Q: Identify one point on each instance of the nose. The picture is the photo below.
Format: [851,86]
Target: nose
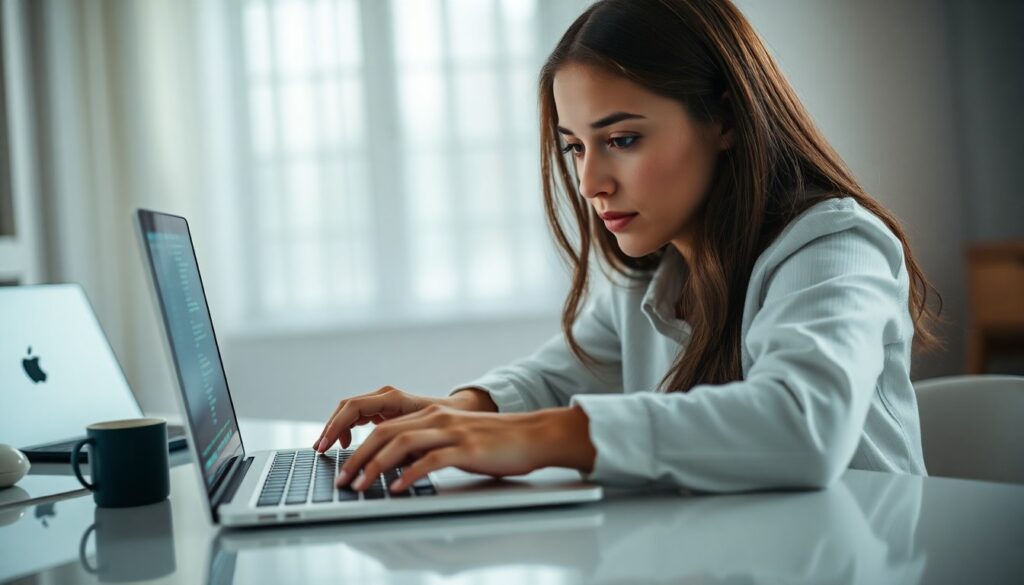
[595,177]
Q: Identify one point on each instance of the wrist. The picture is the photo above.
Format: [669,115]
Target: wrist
[565,434]
[472,400]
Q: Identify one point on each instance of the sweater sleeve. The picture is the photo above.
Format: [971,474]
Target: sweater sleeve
[553,374]
[817,347]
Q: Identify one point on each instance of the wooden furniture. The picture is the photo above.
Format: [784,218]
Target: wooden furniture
[996,290]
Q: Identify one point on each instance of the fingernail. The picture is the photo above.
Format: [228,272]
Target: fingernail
[322,446]
[360,483]
[342,478]
[394,485]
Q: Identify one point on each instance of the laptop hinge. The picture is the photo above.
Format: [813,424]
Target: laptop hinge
[224,487]
[236,480]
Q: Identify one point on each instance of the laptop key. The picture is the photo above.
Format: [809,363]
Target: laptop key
[375,491]
[425,490]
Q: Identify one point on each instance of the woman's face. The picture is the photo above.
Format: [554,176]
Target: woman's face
[638,155]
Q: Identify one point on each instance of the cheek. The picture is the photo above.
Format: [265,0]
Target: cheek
[672,180]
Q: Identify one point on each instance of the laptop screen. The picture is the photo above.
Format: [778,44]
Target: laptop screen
[189,330]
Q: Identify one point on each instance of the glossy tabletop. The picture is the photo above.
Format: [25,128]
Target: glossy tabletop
[867,528]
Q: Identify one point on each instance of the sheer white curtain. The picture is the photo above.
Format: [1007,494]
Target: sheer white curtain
[343,163]
[118,119]
[389,157]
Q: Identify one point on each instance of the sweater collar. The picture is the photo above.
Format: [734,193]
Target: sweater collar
[662,293]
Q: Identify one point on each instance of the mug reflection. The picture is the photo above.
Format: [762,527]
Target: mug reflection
[132,544]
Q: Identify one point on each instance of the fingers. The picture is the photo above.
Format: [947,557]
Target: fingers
[377,439]
[316,443]
[431,416]
[378,392]
[349,412]
[345,437]
[397,450]
[438,459]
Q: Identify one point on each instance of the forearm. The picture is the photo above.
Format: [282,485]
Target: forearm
[564,432]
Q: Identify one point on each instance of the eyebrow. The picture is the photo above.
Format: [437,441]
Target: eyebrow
[606,121]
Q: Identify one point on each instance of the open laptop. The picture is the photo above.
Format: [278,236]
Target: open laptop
[58,373]
[292,485]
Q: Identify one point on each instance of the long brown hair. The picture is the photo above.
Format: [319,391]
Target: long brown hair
[696,51]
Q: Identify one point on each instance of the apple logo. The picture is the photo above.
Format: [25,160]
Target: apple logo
[31,365]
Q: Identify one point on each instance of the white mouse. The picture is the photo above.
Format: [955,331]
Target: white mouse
[13,465]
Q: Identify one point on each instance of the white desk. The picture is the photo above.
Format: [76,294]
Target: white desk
[867,528]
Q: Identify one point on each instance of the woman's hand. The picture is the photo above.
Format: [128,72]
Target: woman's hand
[388,403]
[493,444]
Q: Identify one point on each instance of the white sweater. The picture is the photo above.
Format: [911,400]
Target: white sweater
[826,341]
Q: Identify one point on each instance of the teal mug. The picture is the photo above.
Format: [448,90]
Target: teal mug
[129,462]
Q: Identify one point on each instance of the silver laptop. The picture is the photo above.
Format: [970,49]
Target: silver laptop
[292,485]
[57,372]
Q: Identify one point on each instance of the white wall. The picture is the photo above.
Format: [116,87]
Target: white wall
[303,376]
[988,58]
[876,77]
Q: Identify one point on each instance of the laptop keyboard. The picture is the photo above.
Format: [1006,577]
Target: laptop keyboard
[302,476]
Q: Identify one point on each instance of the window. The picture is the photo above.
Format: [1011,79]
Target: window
[391,160]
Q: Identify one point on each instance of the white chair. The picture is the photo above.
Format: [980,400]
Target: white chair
[972,427]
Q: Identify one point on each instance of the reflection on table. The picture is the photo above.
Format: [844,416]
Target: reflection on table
[813,537]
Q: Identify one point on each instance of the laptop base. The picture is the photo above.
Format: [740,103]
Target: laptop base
[61,452]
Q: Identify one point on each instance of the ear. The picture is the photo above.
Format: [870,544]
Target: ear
[727,138]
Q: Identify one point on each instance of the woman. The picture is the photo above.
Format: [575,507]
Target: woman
[758,330]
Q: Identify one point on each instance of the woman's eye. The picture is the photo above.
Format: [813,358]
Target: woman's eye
[573,149]
[623,141]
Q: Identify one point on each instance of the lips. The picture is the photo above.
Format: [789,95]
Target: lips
[609,215]
[617,221]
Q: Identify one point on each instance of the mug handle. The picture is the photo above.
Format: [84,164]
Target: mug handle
[81,550]
[74,462]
